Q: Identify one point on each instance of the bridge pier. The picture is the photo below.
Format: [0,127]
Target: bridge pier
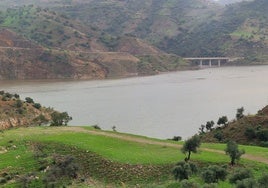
[201,63]
[219,62]
[209,59]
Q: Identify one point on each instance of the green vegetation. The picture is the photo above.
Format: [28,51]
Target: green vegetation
[233,151]
[75,154]
[190,146]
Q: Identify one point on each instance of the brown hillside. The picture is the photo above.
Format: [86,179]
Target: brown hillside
[251,129]
[15,112]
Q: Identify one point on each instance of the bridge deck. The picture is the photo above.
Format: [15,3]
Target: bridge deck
[206,58]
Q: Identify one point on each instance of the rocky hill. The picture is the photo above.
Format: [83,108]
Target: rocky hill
[15,112]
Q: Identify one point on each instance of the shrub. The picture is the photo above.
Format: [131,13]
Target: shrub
[18,103]
[96,127]
[263,181]
[213,174]
[240,174]
[188,184]
[37,105]
[211,185]
[16,96]
[218,135]
[29,100]
[183,170]
[63,167]
[264,144]
[177,138]
[173,185]
[250,133]
[41,120]
[246,183]
[262,135]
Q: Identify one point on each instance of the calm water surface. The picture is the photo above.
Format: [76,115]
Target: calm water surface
[159,106]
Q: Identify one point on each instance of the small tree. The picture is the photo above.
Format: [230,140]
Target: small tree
[233,151]
[239,113]
[190,146]
[209,125]
[223,120]
[60,119]
[202,129]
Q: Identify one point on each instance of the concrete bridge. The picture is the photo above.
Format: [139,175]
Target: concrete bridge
[208,61]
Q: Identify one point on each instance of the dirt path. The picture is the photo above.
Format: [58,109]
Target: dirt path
[147,141]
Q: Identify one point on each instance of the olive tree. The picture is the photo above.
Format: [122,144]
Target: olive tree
[60,119]
[233,151]
[190,146]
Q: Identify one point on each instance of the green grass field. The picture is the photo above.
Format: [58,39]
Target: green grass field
[109,158]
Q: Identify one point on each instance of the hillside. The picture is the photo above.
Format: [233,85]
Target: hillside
[15,112]
[186,28]
[240,31]
[106,39]
[249,130]
[55,46]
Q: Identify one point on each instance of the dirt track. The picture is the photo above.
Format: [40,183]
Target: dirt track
[147,141]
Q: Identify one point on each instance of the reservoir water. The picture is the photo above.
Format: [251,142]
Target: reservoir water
[159,106]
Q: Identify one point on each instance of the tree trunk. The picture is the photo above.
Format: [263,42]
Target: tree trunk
[189,155]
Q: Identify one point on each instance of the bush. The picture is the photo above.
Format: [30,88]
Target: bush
[246,183]
[16,96]
[240,174]
[63,167]
[218,135]
[211,185]
[214,173]
[262,135]
[37,105]
[29,100]
[264,144]
[263,181]
[96,127]
[183,170]
[188,184]
[173,185]
[176,138]
[250,133]
[18,103]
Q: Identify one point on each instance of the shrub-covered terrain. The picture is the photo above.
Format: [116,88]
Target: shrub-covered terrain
[15,112]
[86,157]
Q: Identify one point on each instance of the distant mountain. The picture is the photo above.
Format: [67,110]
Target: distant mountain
[240,31]
[227,2]
[138,32]
[52,45]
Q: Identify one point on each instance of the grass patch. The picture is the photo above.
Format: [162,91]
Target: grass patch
[108,159]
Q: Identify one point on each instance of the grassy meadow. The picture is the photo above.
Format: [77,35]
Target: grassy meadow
[105,159]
